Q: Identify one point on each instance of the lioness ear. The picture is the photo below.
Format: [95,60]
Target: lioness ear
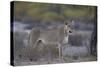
[65,23]
[72,22]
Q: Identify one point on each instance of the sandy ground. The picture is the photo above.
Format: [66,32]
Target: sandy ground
[56,61]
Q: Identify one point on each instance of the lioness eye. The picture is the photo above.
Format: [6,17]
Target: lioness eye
[68,25]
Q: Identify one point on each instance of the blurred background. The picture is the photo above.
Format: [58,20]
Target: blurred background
[39,13]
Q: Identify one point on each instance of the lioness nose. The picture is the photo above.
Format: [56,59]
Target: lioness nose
[70,31]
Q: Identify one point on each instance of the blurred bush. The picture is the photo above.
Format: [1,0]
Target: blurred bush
[24,11]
